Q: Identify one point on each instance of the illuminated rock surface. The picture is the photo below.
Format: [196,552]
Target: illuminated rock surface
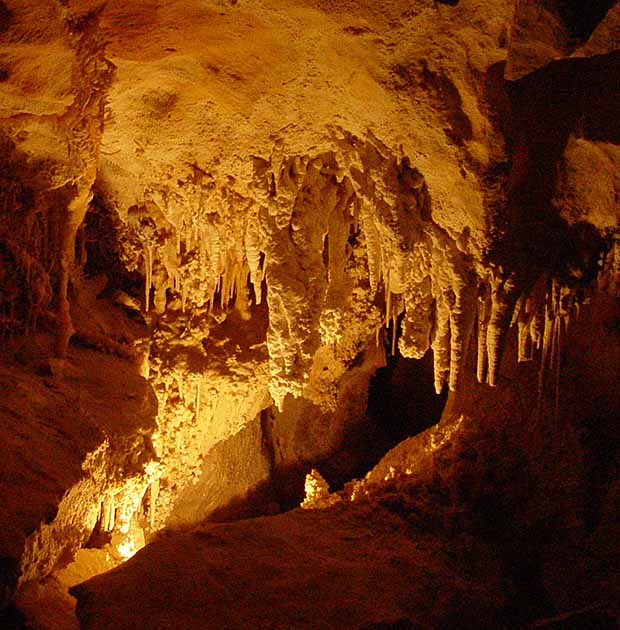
[243,239]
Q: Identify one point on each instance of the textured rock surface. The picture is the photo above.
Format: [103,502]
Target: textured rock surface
[247,202]
[73,441]
[358,569]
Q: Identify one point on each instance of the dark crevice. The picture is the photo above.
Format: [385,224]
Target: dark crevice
[102,251]
[570,96]
[581,18]
[402,397]
[401,403]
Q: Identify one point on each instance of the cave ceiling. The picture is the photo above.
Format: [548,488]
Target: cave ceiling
[236,140]
[242,198]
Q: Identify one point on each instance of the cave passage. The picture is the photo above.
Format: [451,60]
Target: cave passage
[401,403]
[402,398]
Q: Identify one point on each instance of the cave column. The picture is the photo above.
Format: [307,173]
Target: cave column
[76,211]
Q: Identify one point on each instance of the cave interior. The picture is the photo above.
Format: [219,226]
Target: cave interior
[309,314]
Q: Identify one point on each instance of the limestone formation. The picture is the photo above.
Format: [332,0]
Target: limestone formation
[224,223]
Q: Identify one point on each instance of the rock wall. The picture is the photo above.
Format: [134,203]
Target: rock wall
[77,453]
[243,206]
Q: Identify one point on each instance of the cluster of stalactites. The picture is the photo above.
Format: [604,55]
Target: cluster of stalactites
[201,263]
[120,503]
[442,311]
[432,292]
[543,315]
[293,238]
[306,216]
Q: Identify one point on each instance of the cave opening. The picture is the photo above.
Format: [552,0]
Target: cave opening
[401,403]
[402,398]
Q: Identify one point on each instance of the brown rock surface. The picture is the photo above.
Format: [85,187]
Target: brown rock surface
[251,204]
[359,565]
[71,440]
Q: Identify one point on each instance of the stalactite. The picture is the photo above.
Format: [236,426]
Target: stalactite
[184,295]
[558,306]
[254,256]
[373,247]
[160,298]
[417,322]
[153,495]
[394,333]
[108,513]
[546,348]
[441,343]
[76,211]
[537,327]
[462,316]
[526,317]
[608,279]
[503,298]
[557,366]
[388,299]
[148,282]
[484,308]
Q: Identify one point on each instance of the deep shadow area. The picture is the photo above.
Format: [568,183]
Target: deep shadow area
[12,619]
[99,249]
[582,18]
[402,399]
[570,96]
[401,403]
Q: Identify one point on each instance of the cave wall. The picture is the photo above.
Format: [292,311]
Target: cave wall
[247,206]
[76,448]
